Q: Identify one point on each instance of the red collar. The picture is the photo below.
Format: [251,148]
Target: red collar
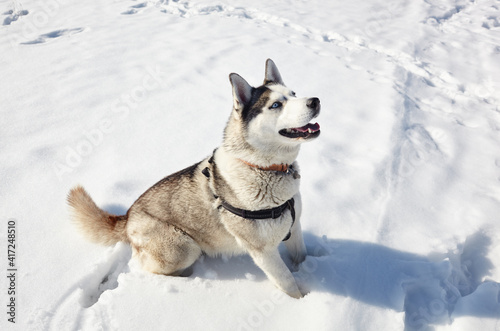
[272,167]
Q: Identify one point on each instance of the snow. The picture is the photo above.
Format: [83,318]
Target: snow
[401,192]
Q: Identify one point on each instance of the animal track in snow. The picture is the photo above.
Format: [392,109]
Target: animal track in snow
[86,292]
[53,35]
[141,5]
[435,76]
[446,16]
[135,8]
[14,16]
[491,22]
[104,277]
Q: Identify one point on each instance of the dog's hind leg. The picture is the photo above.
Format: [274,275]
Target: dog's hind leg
[166,250]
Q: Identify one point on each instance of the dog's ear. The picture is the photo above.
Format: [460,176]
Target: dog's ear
[272,73]
[242,91]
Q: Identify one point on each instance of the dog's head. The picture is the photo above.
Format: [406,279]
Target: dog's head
[272,114]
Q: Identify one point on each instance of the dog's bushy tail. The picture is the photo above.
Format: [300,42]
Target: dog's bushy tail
[96,224]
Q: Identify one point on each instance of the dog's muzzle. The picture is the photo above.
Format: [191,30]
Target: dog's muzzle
[315,105]
[307,131]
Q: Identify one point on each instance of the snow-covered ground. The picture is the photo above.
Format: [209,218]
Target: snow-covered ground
[401,192]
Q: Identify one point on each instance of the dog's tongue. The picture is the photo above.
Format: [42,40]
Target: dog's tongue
[313,127]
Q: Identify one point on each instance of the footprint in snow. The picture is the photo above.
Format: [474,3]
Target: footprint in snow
[85,293]
[135,8]
[491,22]
[105,275]
[13,16]
[53,35]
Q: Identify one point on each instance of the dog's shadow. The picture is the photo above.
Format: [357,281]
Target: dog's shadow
[429,289]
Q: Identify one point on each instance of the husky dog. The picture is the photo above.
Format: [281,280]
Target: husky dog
[244,198]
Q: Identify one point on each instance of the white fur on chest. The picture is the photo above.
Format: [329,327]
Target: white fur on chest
[256,189]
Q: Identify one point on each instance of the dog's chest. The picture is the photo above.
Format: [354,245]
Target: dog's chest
[268,189]
[252,188]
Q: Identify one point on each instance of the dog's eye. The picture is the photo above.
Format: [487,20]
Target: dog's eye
[292,93]
[276,105]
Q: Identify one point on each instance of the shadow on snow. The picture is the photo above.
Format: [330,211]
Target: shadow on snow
[430,290]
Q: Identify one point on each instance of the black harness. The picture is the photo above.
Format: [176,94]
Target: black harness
[252,215]
[264,213]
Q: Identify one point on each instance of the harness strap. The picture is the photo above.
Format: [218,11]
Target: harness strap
[264,213]
[272,213]
[292,211]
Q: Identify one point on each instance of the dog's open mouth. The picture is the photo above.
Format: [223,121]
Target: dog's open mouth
[306,131]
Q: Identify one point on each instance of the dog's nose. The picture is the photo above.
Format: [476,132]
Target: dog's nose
[313,103]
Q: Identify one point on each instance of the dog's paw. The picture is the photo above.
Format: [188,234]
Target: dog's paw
[299,294]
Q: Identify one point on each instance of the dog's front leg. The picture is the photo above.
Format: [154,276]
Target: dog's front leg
[295,244]
[273,266]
